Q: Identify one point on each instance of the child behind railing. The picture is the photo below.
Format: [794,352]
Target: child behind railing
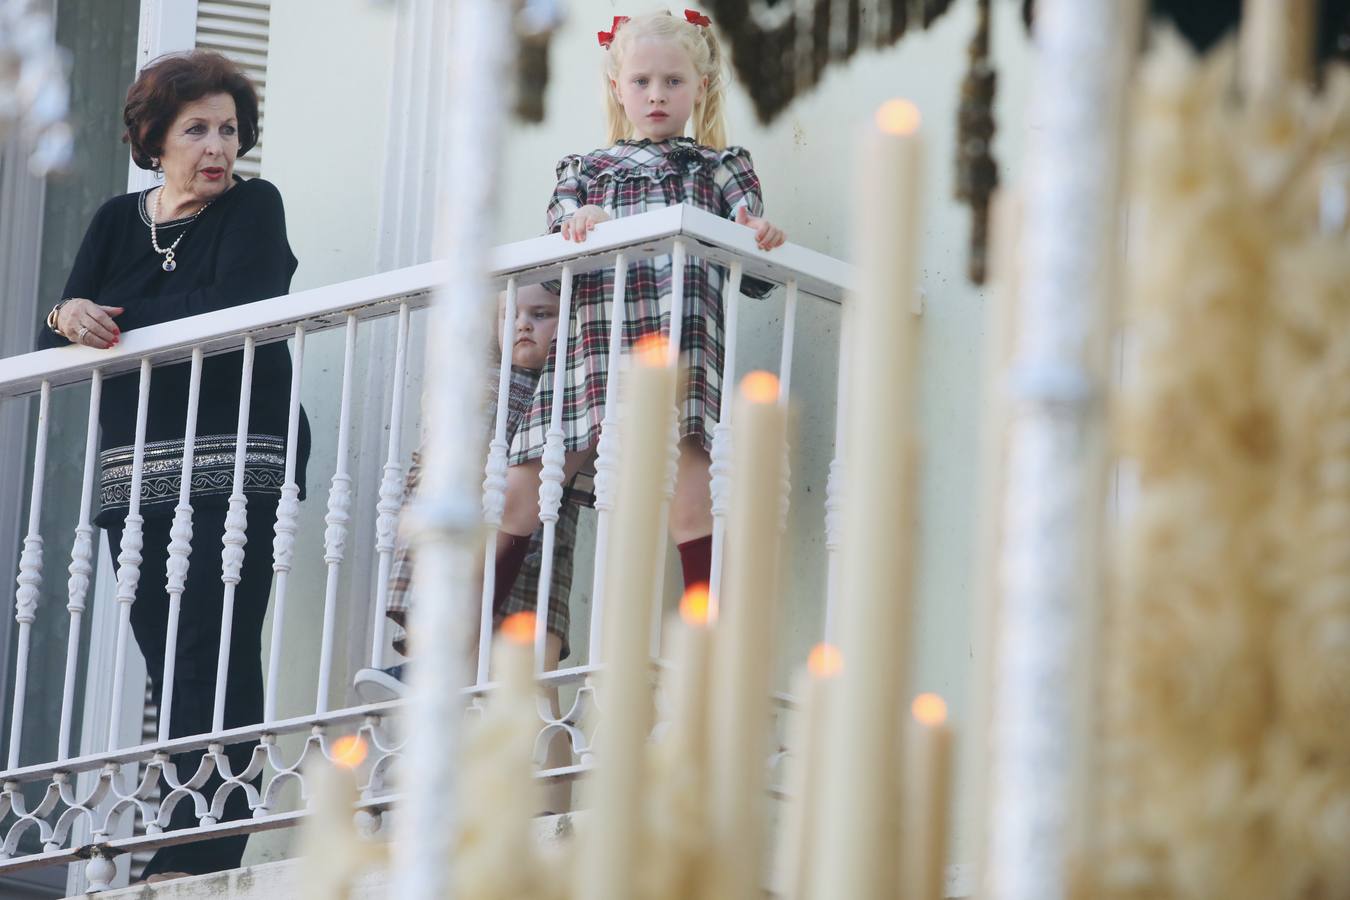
[662,73]
[536,323]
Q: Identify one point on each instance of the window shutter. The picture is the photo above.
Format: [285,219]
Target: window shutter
[239,29]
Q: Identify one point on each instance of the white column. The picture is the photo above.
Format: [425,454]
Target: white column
[785,398]
[407,196]
[720,470]
[834,488]
[283,543]
[30,576]
[494,481]
[180,544]
[22,199]
[129,559]
[391,492]
[551,475]
[339,514]
[166,26]
[447,520]
[1046,573]
[236,525]
[607,456]
[679,253]
[81,565]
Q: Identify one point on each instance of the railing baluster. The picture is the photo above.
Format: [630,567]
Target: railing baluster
[236,527]
[784,396]
[678,255]
[81,565]
[720,470]
[834,488]
[335,535]
[391,493]
[494,480]
[607,456]
[551,476]
[180,544]
[789,339]
[129,559]
[30,575]
[451,527]
[283,543]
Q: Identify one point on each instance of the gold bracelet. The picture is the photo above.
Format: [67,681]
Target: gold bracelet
[54,316]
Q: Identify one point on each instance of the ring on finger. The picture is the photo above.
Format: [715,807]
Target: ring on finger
[84,329]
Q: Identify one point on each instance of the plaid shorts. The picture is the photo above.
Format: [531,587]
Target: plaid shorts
[525,590]
[523,594]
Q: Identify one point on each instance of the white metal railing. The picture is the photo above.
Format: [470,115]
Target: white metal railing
[80,816]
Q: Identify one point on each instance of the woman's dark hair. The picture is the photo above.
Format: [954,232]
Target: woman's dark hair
[171,81]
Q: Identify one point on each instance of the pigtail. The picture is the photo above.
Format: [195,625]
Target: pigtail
[710,120]
[619,126]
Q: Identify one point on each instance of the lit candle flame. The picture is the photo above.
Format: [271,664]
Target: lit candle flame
[349,751]
[825,661]
[929,709]
[898,117]
[696,606]
[760,387]
[518,628]
[652,350]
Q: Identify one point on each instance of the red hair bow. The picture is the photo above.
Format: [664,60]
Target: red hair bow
[697,18]
[607,37]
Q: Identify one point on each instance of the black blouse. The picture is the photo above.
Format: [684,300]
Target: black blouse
[234,252]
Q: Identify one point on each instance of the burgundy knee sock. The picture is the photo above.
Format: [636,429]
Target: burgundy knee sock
[511,552]
[696,561]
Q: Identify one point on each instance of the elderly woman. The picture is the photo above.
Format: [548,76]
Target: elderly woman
[203,239]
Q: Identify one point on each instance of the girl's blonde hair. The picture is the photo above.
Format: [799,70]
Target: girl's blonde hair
[710,128]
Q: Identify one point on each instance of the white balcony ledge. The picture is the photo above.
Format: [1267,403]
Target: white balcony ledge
[284,878]
[530,262]
[88,794]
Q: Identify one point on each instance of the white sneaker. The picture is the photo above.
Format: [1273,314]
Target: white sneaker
[380,685]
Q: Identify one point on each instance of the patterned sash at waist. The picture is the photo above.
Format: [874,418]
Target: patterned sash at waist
[212,470]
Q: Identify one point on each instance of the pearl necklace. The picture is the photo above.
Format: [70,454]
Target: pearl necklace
[169,265]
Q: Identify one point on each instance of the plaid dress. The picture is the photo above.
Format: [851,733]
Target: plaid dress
[630,178]
[525,591]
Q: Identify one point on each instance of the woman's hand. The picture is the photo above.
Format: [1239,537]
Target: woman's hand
[582,222]
[767,234]
[86,322]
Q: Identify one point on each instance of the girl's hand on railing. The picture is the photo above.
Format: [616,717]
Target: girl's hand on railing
[767,234]
[582,221]
[86,322]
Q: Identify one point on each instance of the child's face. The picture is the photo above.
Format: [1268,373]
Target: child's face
[536,324]
[658,88]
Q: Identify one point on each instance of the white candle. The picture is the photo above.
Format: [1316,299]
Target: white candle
[1275,46]
[516,686]
[331,850]
[493,854]
[692,673]
[748,621]
[675,850]
[799,810]
[1001,306]
[609,844]
[928,789]
[859,800]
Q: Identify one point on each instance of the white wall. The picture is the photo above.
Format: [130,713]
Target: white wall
[328,99]
[327,113]
[804,161]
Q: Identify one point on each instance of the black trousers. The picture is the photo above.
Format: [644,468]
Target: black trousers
[197,651]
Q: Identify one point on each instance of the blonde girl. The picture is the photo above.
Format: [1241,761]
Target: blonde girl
[662,74]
